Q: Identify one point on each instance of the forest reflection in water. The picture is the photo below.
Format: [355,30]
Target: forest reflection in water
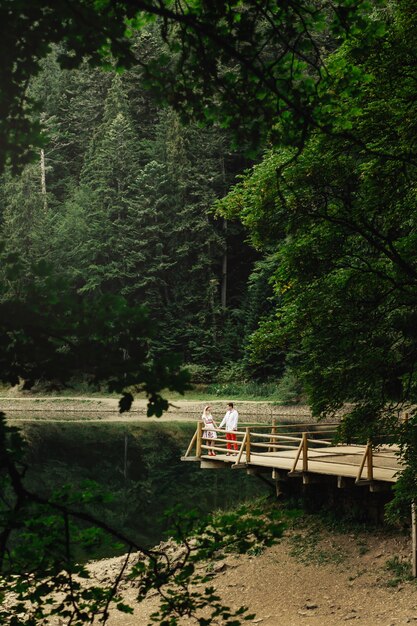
[138,464]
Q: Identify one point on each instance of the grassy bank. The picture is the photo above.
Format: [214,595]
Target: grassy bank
[262,392]
[287,390]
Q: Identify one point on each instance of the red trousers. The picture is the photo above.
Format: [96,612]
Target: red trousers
[231,437]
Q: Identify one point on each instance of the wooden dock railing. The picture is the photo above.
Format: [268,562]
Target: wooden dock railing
[261,438]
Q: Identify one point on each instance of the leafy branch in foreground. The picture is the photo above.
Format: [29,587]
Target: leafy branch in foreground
[245,64]
[339,225]
[49,331]
[40,576]
[185,588]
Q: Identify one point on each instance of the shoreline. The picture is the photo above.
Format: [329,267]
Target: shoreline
[60,408]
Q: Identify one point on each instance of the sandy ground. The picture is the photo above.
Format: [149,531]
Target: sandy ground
[308,579]
[106,409]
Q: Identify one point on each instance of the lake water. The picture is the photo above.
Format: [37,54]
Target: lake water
[138,464]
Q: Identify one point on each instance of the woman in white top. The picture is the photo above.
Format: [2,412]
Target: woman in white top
[209,432]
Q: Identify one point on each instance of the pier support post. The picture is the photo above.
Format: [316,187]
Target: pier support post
[305,452]
[414,537]
[247,445]
[199,439]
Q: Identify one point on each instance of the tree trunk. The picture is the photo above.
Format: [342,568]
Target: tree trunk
[43,181]
[224,260]
[224,269]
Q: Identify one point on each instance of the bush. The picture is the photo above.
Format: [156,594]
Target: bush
[250,389]
[201,374]
[233,372]
[289,388]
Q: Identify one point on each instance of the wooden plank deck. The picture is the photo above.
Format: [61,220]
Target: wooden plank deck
[339,464]
[305,453]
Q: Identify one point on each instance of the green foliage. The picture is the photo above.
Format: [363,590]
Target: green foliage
[249,390]
[231,372]
[200,374]
[258,69]
[405,488]
[282,90]
[237,531]
[128,189]
[331,208]
[399,570]
[289,389]
[55,23]
[339,217]
[343,220]
[54,333]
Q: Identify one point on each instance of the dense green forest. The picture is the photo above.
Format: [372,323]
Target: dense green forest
[120,198]
[305,266]
[225,185]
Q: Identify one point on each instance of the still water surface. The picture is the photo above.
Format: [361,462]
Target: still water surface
[138,464]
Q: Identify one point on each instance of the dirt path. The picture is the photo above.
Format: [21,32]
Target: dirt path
[309,580]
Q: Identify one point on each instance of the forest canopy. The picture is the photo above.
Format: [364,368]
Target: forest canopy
[308,82]
[313,84]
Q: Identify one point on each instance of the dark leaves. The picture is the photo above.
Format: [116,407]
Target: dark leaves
[125,402]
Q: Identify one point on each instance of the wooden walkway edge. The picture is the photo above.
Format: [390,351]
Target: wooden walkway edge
[296,453]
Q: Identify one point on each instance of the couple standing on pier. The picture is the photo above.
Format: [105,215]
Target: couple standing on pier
[229,423]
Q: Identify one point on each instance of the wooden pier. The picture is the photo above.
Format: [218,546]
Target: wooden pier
[306,450]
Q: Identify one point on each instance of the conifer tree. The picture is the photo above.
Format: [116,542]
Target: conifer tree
[105,185]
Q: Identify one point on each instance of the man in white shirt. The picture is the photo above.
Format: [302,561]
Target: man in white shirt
[229,423]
